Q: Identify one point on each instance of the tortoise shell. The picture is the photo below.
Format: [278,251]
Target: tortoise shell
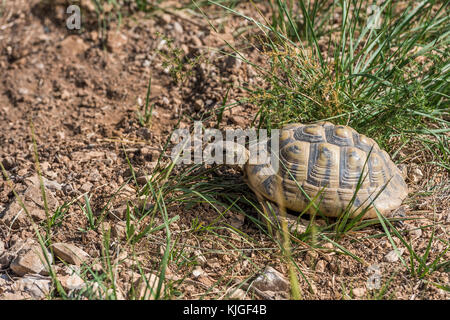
[329,159]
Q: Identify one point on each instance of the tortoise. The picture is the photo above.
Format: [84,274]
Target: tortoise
[334,161]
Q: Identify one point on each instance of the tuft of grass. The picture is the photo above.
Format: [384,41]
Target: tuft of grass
[419,265]
[180,66]
[388,83]
[59,214]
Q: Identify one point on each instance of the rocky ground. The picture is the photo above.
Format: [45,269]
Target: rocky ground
[80,93]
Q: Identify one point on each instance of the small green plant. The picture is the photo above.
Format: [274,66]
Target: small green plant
[180,66]
[222,109]
[44,242]
[87,210]
[143,5]
[60,212]
[145,119]
[350,73]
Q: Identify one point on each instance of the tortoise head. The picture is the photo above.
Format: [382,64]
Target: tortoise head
[228,152]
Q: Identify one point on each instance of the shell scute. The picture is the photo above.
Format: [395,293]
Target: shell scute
[323,165]
[310,133]
[353,168]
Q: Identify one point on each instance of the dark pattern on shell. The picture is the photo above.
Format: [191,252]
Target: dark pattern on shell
[257,168]
[285,142]
[350,176]
[357,139]
[268,185]
[313,156]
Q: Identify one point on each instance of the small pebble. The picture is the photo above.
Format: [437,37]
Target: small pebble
[392,256]
[359,292]
[198,271]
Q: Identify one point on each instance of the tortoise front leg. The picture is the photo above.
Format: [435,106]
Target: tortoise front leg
[272,216]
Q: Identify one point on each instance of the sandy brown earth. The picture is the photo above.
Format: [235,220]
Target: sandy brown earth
[81,92]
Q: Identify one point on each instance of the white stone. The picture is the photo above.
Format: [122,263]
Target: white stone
[271,280]
[16,217]
[237,294]
[2,247]
[393,256]
[197,272]
[70,279]
[359,292]
[416,175]
[146,64]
